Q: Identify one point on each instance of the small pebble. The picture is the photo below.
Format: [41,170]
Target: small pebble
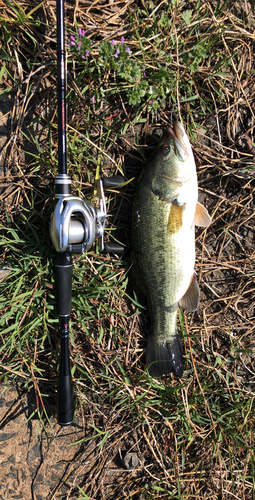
[11,459]
[47,482]
[30,456]
[37,450]
[131,460]
[4,436]
[8,404]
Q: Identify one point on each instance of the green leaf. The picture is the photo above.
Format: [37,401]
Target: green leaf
[101,335]
[2,71]
[186,16]
[192,98]
[107,434]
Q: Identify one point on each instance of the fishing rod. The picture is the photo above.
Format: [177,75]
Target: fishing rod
[75,224]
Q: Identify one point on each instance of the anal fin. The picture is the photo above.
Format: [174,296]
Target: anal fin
[190,299]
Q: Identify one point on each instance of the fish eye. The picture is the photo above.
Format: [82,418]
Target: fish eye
[165,149]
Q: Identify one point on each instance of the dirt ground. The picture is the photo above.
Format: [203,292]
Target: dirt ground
[50,465]
[31,467]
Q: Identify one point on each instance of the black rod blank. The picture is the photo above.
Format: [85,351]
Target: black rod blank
[61,64]
[63,264]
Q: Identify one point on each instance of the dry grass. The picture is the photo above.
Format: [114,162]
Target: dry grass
[193,438]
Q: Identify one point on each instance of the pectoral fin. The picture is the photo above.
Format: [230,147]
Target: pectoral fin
[190,299]
[202,218]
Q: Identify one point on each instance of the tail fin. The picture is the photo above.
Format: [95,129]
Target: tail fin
[164,358]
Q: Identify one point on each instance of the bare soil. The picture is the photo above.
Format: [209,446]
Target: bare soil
[51,465]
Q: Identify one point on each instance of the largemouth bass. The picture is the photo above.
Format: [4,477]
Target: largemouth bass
[165,212]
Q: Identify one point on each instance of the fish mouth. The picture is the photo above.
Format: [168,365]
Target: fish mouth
[178,134]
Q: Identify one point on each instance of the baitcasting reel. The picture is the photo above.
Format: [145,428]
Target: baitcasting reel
[76,223]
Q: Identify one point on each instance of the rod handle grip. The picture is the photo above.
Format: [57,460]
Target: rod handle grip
[64,270]
[65,404]
[65,398]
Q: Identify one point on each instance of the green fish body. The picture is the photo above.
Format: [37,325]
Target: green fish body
[165,211]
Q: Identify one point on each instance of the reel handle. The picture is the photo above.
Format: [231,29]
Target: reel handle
[111,247]
[113,182]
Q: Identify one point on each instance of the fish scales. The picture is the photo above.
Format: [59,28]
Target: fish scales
[163,241]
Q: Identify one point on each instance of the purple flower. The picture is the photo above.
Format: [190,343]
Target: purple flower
[128,51]
[93,99]
[81,32]
[79,45]
[113,42]
[72,40]
[122,41]
[87,53]
[144,74]
[83,57]
[116,53]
